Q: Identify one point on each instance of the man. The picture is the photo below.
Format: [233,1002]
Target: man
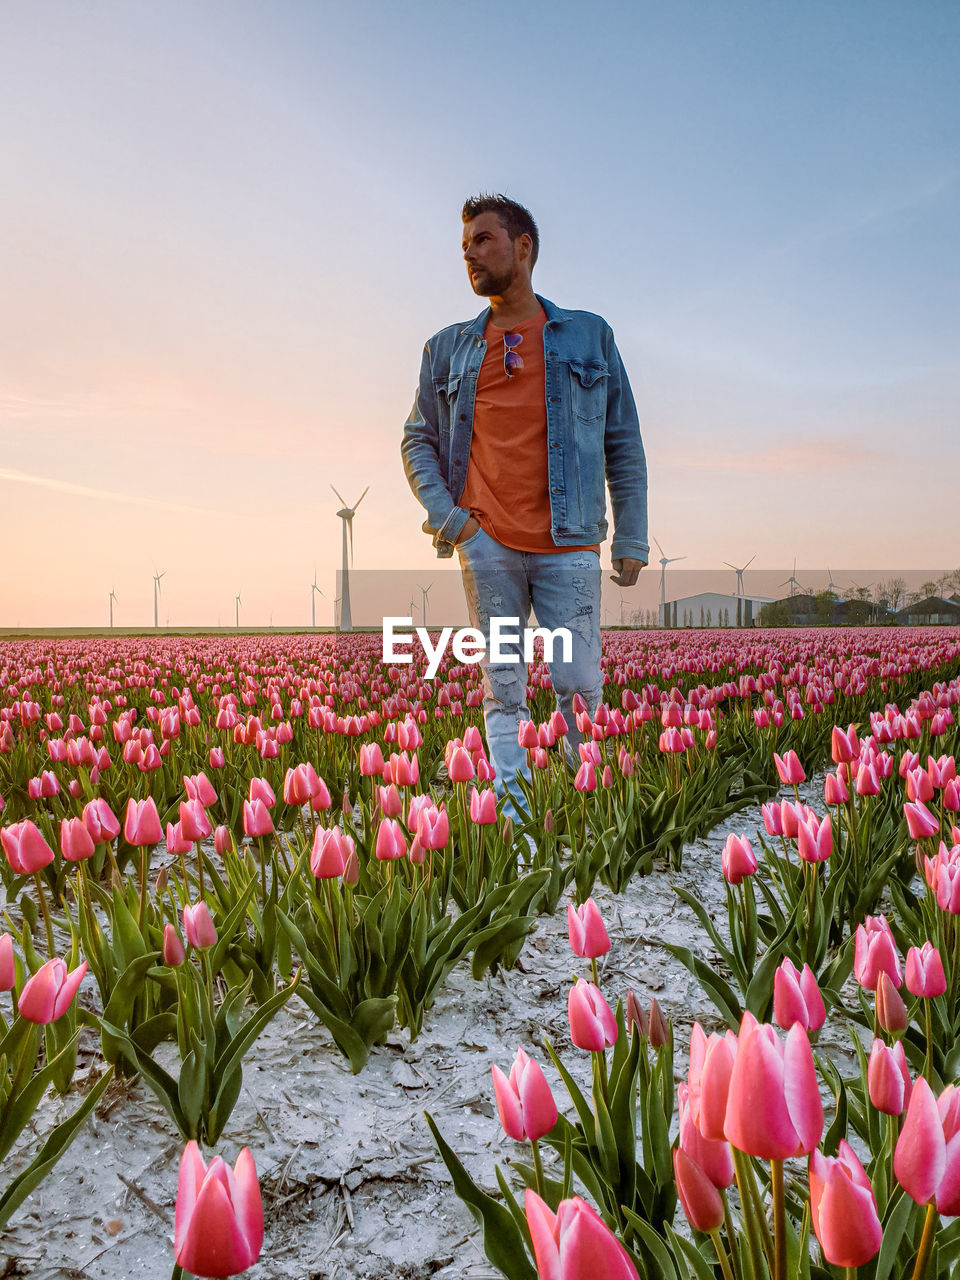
[520,417]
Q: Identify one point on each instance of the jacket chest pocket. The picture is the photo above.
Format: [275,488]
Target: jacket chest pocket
[588,390]
[446,390]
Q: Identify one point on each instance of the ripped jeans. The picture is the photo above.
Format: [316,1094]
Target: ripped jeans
[564,589]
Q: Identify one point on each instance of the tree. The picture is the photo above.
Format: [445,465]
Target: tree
[823,608]
[891,593]
[775,614]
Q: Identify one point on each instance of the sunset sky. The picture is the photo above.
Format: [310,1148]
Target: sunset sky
[227,229]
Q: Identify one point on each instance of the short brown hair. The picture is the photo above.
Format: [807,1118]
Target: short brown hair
[514,218]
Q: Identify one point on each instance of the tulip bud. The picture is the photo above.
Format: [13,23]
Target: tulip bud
[888,1078]
[173,949]
[924,972]
[659,1027]
[700,1199]
[636,1015]
[891,1010]
[198,926]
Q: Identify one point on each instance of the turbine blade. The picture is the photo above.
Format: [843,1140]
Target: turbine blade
[361,498]
[338,495]
[750,561]
[659,548]
[350,527]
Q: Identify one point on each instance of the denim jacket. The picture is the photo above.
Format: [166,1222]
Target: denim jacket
[593,434]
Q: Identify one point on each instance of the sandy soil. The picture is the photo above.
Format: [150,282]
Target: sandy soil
[352,1183]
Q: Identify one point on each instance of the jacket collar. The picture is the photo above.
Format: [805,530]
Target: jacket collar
[553,313]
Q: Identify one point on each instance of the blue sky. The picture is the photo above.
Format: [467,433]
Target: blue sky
[229,227]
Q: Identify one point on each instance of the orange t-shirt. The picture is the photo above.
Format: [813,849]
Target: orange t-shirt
[507,487]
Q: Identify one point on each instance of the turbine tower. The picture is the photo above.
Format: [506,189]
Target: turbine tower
[792,582]
[346,514]
[113,596]
[156,598]
[237,602]
[664,561]
[314,589]
[424,592]
[740,572]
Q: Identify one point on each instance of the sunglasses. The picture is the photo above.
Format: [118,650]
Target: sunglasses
[512,360]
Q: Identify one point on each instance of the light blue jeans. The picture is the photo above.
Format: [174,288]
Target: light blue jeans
[564,590]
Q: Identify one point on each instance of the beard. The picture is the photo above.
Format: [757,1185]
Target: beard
[488,285]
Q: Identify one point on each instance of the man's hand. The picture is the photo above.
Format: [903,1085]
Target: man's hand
[627,571]
[470,527]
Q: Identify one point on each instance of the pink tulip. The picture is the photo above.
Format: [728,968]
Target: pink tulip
[331,848]
[260,789]
[25,848]
[797,998]
[218,1224]
[875,952]
[75,840]
[100,821]
[773,1107]
[586,779]
[815,840]
[200,788]
[390,840]
[713,1157]
[592,1023]
[460,766]
[391,806]
[699,1197]
[708,1077]
[222,840]
[738,859]
[843,1208]
[483,807]
[844,747]
[920,1157]
[920,821]
[891,1011]
[194,823]
[835,790]
[524,1101]
[433,827]
[586,930]
[141,825]
[574,1243]
[198,926]
[888,1078]
[924,972]
[173,950]
[371,760]
[48,994]
[789,768]
[527,734]
[8,968]
[216,758]
[772,819]
[257,821]
[919,786]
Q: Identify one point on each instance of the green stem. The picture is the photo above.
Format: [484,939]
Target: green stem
[748,1207]
[928,1021]
[593,971]
[926,1242]
[45,912]
[779,1221]
[721,1254]
[538,1169]
[144,872]
[200,868]
[731,1236]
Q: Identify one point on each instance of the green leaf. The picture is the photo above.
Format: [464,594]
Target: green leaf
[503,1241]
[654,1244]
[51,1151]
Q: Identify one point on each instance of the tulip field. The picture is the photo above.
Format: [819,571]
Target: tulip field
[696,1016]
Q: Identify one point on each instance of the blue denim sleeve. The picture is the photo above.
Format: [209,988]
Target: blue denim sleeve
[625,463]
[420,450]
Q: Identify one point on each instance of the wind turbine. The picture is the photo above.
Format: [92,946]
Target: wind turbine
[156,597]
[237,602]
[740,572]
[792,581]
[664,561]
[424,592]
[346,514]
[113,596]
[314,589]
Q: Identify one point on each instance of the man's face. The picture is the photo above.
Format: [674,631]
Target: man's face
[493,259]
